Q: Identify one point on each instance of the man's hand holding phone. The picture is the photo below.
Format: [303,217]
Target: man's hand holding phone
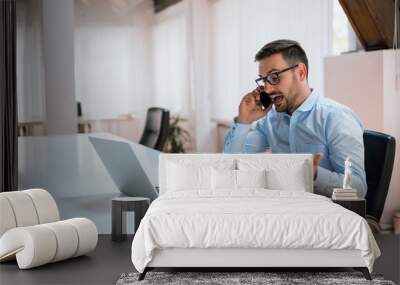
[252,107]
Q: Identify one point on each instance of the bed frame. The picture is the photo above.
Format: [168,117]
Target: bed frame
[250,259]
[242,259]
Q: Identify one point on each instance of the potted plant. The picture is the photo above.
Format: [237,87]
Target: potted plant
[178,137]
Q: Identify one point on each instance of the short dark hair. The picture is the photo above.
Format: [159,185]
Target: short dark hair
[291,51]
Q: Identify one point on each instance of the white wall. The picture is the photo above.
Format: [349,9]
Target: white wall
[30,72]
[112,57]
[58,51]
[369,83]
[111,50]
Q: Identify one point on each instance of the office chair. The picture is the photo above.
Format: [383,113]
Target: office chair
[379,150]
[156,128]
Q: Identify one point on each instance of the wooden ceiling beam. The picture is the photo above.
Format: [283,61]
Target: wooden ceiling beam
[160,5]
[372,21]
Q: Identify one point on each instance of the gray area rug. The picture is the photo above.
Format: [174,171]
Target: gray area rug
[225,278]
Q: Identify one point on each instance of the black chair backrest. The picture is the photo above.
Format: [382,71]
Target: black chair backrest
[379,157]
[156,128]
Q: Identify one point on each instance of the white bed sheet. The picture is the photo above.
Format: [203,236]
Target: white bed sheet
[252,218]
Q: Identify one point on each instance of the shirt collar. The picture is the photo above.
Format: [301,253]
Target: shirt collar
[309,103]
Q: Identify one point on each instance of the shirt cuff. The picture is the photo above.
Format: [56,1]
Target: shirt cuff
[240,128]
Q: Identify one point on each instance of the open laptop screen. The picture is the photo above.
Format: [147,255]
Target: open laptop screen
[133,167]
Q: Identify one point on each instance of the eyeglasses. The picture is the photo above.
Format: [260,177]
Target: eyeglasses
[273,78]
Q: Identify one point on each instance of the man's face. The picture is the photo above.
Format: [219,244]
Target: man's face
[283,94]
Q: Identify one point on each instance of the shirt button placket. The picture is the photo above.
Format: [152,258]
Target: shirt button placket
[292,128]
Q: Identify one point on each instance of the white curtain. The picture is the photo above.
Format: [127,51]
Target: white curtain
[169,55]
[199,67]
[206,76]
[113,70]
[181,67]
[241,28]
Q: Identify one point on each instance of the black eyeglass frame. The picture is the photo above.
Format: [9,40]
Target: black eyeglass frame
[277,73]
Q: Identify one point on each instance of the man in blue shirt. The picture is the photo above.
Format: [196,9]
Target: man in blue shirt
[299,120]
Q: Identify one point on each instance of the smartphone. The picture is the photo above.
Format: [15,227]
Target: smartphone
[265,100]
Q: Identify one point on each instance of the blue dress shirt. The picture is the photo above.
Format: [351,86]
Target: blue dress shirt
[319,125]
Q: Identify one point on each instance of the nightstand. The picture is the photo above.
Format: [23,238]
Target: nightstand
[121,205]
[357,206]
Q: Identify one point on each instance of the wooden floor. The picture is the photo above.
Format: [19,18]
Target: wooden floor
[103,266]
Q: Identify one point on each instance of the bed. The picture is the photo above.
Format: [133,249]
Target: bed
[246,211]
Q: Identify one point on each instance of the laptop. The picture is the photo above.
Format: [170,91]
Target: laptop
[133,167]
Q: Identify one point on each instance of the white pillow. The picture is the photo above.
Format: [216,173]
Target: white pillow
[293,179]
[281,173]
[186,177]
[251,178]
[236,179]
[223,179]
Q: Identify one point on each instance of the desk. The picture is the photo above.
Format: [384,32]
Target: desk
[31,129]
[70,169]
[125,126]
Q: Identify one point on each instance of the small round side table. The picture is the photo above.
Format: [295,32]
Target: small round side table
[121,205]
